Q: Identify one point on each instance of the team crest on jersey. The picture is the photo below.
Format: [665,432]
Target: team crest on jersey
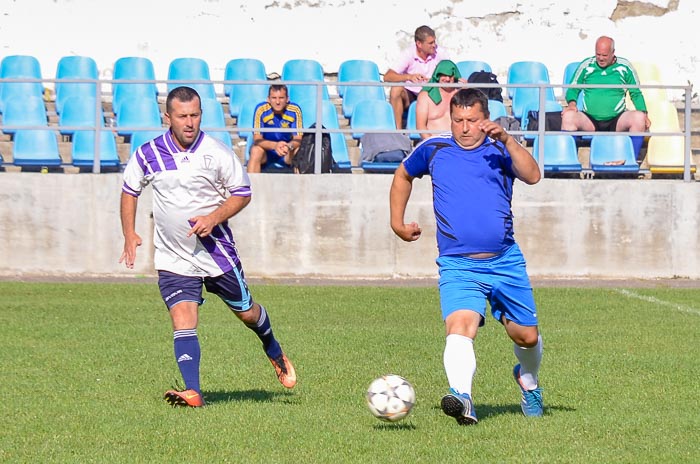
[207,161]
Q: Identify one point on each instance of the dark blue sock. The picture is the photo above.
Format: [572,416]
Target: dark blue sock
[187,354]
[263,329]
[637,141]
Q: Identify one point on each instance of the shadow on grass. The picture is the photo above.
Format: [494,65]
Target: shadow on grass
[258,396]
[394,426]
[484,411]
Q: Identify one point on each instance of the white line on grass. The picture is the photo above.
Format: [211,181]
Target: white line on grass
[656,301]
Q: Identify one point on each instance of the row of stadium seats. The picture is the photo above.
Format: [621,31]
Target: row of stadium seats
[135,104]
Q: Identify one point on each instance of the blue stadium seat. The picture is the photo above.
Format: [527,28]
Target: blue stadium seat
[24,111]
[213,118]
[534,105]
[372,114]
[413,133]
[132,68]
[79,113]
[304,70]
[142,113]
[36,148]
[524,72]
[560,154]
[357,71]
[467,67]
[527,97]
[606,149]
[358,93]
[308,114]
[497,109]
[340,150]
[75,67]
[84,149]
[246,117]
[195,71]
[18,67]
[140,137]
[244,69]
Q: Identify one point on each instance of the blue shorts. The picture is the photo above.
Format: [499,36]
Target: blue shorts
[274,159]
[466,283]
[230,287]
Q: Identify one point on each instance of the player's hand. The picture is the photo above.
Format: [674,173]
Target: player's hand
[408,232]
[202,226]
[128,256]
[418,78]
[282,148]
[493,130]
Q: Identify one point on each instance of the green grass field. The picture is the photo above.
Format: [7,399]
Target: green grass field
[84,367]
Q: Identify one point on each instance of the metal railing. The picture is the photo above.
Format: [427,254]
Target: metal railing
[99,125]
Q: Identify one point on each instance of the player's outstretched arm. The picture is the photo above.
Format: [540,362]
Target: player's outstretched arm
[131,238]
[401,188]
[203,225]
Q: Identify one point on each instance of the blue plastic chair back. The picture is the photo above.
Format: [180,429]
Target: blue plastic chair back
[140,137]
[372,114]
[19,66]
[20,90]
[497,109]
[84,149]
[308,114]
[212,114]
[358,93]
[75,67]
[193,70]
[36,147]
[357,71]
[467,67]
[523,72]
[560,154]
[79,112]
[607,149]
[243,69]
[132,68]
[304,70]
[533,105]
[223,136]
[245,92]
[340,150]
[526,96]
[138,113]
[413,133]
[24,111]
[246,117]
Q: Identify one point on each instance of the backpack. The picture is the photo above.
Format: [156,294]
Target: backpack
[304,162]
[485,77]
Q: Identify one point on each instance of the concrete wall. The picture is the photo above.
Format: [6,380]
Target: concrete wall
[331,31]
[337,226]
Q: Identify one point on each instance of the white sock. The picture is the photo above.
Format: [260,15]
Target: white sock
[460,362]
[530,359]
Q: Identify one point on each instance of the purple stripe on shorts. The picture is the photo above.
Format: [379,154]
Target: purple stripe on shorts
[221,247]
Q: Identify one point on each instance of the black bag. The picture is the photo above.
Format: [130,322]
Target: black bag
[509,123]
[552,120]
[485,77]
[304,162]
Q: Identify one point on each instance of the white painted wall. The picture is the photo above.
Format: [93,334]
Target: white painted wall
[331,31]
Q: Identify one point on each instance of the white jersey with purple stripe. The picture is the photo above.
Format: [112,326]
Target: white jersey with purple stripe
[186,184]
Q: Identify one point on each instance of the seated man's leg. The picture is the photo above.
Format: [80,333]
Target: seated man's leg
[398,97]
[633,121]
[257,158]
[576,121]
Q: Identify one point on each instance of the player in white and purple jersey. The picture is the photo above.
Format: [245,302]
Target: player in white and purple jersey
[198,184]
[472,170]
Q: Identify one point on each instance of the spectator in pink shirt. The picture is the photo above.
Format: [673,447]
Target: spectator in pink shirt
[415,66]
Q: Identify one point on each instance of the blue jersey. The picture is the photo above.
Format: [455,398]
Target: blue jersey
[472,193]
[266,118]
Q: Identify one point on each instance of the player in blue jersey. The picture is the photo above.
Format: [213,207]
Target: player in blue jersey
[472,171]
[275,147]
[198,185]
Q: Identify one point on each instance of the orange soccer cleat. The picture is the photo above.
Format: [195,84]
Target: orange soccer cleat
[285,371]
[184,398]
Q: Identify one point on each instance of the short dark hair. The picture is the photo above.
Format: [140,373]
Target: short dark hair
[468,97]
[277,88]
[422,33]
[183,94]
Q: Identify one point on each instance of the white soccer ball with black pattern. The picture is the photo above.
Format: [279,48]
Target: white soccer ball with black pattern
[390,398]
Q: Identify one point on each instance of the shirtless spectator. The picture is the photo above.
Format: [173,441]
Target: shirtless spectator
[433,104]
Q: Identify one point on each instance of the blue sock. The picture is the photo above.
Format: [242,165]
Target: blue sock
[187,354]
[263,329]
[637,141]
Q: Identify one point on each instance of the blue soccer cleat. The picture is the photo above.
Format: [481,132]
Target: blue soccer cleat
[459,406]
[531,402]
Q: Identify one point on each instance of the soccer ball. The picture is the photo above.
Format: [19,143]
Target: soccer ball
[390,398]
